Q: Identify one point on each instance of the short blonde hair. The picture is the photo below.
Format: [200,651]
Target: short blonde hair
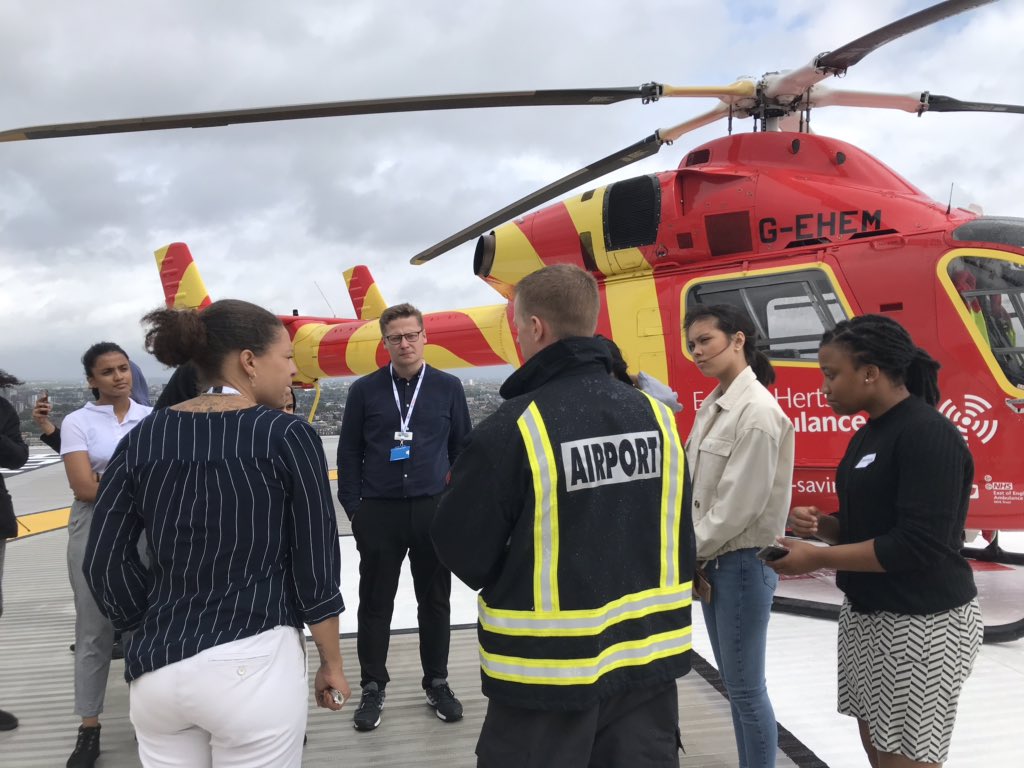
[398,312]
[562,295]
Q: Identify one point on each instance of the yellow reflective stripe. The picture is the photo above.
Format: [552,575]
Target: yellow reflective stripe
[672,469]
[580,623]
[586,671]
[545,512]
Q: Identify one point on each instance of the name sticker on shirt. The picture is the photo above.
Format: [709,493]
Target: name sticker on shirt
[400,452]
[611,459]
[403,437]
[865,460]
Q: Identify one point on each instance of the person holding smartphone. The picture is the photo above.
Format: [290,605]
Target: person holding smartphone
[49,432]
[88,438]
[740,452]
[909,627]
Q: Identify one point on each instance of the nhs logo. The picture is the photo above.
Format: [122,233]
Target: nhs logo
[611,459]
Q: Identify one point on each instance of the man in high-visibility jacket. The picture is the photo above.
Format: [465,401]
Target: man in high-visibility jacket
[569,508]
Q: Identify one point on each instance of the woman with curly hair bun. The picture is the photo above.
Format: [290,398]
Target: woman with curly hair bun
[234,500]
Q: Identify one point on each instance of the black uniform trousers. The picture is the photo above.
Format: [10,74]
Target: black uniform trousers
[385,530]
[638,729]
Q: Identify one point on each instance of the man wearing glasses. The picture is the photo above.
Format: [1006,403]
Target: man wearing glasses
[401,431]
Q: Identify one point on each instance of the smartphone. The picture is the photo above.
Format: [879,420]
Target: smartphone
[44,396]
[772,552]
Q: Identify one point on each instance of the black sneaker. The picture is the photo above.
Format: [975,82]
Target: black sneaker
[87,748]
[8,722]
[367,715]
[445,705]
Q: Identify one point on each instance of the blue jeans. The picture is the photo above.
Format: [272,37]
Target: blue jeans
[737,622]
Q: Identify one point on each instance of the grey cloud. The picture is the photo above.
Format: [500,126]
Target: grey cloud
[269,209]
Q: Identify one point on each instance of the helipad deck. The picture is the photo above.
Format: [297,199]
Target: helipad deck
[36,674]
[36,685]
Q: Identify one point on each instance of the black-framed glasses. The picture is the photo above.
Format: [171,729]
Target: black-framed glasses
[396,338]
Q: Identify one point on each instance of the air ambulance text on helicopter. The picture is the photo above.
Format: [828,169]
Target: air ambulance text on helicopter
[799,230]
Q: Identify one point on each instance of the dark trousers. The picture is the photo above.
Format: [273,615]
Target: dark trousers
[639,729]
[385,530]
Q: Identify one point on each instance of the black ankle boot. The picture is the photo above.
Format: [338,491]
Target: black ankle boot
[87,748]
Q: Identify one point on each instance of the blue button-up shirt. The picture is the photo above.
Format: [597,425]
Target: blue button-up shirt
[439,424]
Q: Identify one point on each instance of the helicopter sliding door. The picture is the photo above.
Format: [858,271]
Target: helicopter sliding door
[983,389]
[790,307]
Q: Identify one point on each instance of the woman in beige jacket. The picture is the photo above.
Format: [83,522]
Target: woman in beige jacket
[740,454]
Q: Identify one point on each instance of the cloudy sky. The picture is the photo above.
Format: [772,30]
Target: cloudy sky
[273,211]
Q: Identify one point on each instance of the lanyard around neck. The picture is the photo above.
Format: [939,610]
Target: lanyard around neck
[404,420]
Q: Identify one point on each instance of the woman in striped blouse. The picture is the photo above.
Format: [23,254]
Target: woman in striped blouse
[234,499]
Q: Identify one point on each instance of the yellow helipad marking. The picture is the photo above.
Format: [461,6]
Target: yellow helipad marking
[41,522]
[55,519]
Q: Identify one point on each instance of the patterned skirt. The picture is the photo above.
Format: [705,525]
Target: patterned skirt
[902,675]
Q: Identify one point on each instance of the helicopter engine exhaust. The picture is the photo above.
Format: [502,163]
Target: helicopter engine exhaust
[483,257]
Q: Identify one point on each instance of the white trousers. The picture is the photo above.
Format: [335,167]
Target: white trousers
[238,705]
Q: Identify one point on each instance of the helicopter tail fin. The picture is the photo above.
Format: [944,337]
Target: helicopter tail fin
[366,296]
[183,285]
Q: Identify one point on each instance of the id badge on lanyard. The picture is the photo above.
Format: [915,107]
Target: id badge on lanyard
[403,436]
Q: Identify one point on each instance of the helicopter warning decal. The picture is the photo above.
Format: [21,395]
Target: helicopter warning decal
[970,419]
[810,226]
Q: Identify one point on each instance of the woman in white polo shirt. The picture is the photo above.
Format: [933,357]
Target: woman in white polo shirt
[740,454]
[88,439]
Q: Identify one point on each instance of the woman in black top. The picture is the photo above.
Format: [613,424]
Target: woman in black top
[13,455]
[234,499]
[909,627]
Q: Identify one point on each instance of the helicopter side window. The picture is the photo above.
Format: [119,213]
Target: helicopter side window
[790,310]
[993,294]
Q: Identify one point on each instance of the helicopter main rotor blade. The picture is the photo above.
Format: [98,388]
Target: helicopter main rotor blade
[626,156]
[936,103]
[836,62]
[917,103]
[826,97]
[560,97]
[671,134]
[644,148]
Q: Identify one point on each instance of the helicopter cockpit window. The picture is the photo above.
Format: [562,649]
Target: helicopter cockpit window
[790,310]
[993,294]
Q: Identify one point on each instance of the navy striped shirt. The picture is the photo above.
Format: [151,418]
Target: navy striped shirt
[241,529]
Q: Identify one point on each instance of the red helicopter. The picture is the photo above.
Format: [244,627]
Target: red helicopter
[798,229]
